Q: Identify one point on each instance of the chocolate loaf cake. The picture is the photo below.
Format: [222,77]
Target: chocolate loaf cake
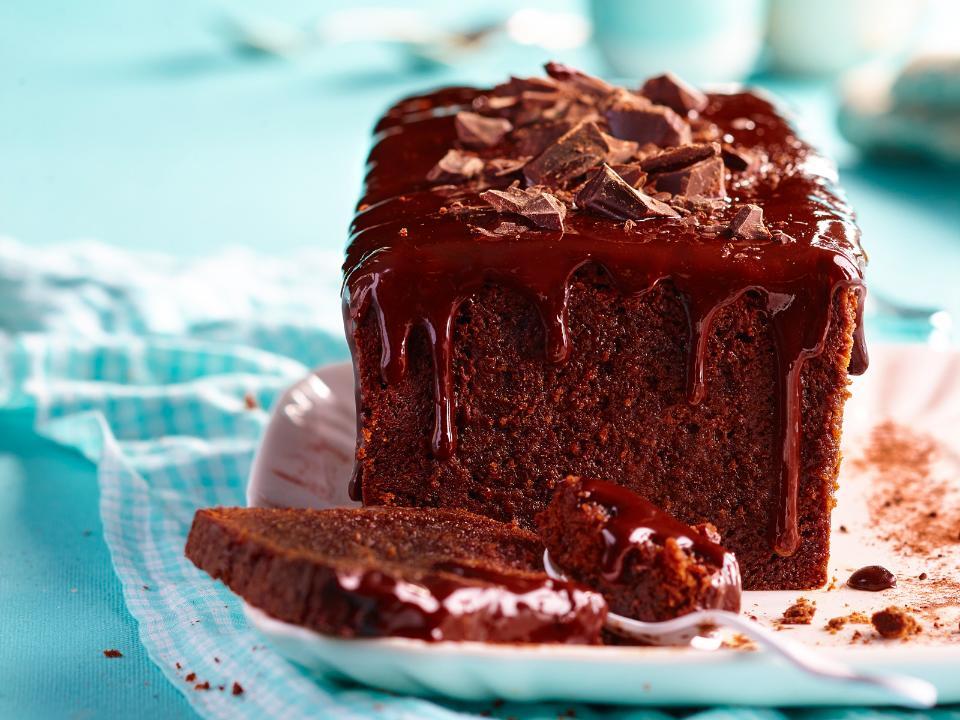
[646,564]
[558,276]
[431,574]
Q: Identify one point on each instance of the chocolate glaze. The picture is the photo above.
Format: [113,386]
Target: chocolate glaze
[421,276]
[634,521]
[460,602]
[872,578]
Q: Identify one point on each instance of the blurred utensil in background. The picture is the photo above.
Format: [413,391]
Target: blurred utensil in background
[414,33]
[702,41]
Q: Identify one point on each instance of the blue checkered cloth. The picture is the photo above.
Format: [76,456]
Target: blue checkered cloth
[154,388]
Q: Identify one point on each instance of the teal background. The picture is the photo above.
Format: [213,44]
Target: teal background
[132,123]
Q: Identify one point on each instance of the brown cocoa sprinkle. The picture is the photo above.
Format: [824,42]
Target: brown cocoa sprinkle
[800,613]
[190,677]
[236,689]
[250,403]
[112,653]
[178,666]
[895,622]
[216,659]
[922,576]
[205,685]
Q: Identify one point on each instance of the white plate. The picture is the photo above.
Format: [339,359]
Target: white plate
[306,459]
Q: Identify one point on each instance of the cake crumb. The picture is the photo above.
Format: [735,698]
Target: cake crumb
[112,653]
[237,689]
[800,613]
[205,685]
[894,622]
[836,623]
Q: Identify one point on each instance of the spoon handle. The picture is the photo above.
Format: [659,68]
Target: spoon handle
[912,692]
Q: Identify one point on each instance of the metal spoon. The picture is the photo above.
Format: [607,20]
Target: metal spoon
[690,629]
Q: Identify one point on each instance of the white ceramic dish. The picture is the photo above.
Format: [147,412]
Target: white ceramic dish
[306,459]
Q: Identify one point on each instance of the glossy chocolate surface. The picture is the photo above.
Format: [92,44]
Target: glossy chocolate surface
[634,521]
[417,251]
[460,602]
[872,578]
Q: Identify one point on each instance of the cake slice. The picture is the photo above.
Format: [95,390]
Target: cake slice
[372,572]
[647,564]
[558,276]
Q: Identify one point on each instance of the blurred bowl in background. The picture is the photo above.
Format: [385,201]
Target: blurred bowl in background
[703,41]
[822,37]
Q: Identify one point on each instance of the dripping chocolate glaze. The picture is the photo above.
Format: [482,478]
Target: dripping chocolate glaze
[633,520]
[413,260]
[457,602]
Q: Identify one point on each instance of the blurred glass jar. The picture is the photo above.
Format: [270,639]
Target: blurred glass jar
[822,37]
[702,41]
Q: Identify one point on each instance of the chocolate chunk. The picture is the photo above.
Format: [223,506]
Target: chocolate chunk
[673,92]
[620,151]
[455,166]
[648,124]
[748,224]
[534,139]
[740,159]
[609,195]
[475,130]
[575,152]
[702,179]
[872,578]
[679,157]
[539,207]
[633,174]
[580,80]
[500,167]
[779,236]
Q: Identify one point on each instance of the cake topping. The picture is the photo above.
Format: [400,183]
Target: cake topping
[475,130]
[539,207]
[644,123]
[609,195]
[748,224]
[872,578]
[673,92]
[641,225]
[570,156]
[456,166]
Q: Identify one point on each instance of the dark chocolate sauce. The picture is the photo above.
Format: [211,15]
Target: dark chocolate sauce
[422,275]
[634,521]
[872,578]
[461,602]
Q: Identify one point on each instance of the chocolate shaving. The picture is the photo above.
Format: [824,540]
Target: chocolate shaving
[455,166]
[673,92]
[609,195]
[537,137]
[702,179]
[620,151]
[679,157]
[633,174]
[739,159]
[539,207]
[575,152]
[580,80]
[644,123]
[475,130]
[748,224]
[501,167]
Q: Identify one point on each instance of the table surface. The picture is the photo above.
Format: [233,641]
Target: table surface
[130,123]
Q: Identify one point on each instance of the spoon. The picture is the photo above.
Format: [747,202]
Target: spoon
[692,628]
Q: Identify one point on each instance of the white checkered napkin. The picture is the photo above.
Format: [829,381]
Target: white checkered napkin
[169,427]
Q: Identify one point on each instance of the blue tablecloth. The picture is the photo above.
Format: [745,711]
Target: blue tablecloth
[130,123]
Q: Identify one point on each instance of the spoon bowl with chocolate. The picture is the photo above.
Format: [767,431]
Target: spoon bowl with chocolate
[675,584]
